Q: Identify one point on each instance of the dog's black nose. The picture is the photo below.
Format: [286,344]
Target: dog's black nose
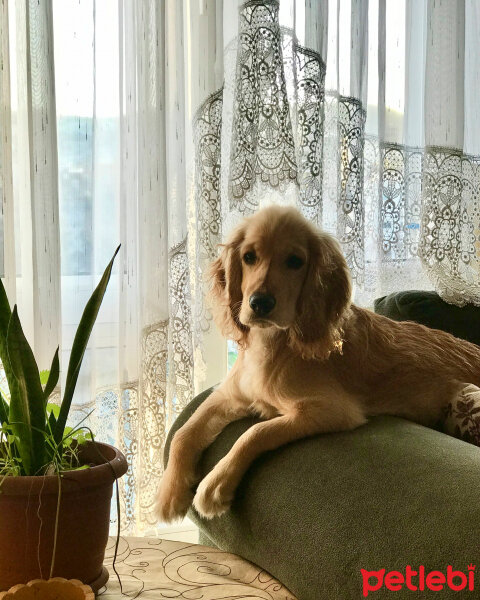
[261,304]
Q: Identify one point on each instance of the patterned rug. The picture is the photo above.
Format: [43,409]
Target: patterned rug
[151,569]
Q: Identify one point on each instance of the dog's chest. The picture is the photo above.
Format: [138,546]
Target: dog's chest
[260,380]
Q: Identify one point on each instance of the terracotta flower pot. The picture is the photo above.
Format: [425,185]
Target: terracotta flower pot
[28,507]
[58,587]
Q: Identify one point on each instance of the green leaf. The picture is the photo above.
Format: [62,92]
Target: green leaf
[53,409]
[5,313]
[23,447]
[44,376]
[4,410]
[52,377]
[79,346]
[28,410]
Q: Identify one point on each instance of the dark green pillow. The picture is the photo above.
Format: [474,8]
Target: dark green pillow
[429,309]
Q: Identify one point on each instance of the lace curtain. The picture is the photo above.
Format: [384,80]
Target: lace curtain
[160,124]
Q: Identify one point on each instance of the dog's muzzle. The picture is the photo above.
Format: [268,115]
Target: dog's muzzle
[262,304]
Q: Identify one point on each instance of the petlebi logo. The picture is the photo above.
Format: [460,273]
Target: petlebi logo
[419,580]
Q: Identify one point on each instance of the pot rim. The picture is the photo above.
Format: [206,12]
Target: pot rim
[102,474]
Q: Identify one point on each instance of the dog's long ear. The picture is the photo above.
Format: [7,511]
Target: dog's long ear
[226,288]
[325,297]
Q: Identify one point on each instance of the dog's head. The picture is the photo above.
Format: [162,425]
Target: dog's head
[278,271]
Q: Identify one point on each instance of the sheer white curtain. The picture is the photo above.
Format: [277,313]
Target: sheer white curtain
[160,124]
[366,110]
[97,148]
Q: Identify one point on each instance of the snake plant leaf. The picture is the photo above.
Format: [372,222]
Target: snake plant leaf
[79,346]
[53,410]
[5,314]
[51,447]
[52,422]
[27,409]
[4,410]
[23,443]
[52,377]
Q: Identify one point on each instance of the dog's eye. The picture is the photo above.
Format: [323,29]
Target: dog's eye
[294,262]
[249,258]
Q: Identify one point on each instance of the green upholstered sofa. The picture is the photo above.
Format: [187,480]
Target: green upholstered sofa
[315,512]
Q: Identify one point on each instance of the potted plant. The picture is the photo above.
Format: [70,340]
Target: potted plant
[56,482]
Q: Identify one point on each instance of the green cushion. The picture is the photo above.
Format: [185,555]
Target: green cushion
[315,512]
[429,309]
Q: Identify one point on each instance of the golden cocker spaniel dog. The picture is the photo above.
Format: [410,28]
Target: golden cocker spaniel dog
[309,360]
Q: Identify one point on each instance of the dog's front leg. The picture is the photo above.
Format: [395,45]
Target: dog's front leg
[215,493]
[175,494]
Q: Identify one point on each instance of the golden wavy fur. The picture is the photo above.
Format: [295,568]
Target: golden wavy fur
[309,360]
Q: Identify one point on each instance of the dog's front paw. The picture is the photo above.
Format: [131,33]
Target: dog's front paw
[214,494]
[174,498]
